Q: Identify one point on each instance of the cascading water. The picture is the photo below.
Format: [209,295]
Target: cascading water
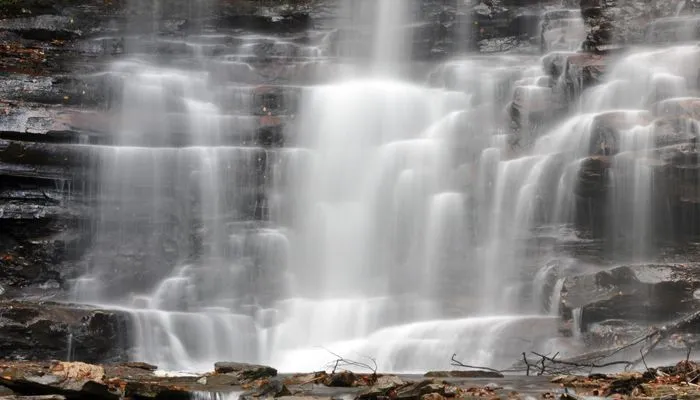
[400,222]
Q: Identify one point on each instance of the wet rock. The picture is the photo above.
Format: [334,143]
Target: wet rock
[269,389]
[341,379]
[140,365]
[463,374]
[673,30]
[583,70]
[678,107]
[56,331]
[46,397]
[606,128]
[591,178]
[36,121]
[245,372]
[54,90]
[43,154]
[79,381]
[532,105]
[385,385]
[669,131]
[75,380]
[415,391]
[42,27]
[561,30]
[554,63]
[649,293]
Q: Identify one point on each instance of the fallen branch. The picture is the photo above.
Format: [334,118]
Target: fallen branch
[458,363]
[341,362]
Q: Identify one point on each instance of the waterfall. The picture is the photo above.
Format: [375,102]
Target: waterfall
[246,216]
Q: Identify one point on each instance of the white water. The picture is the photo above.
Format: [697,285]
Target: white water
[396,226]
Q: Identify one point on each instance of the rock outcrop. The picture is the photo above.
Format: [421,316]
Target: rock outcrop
[43,330]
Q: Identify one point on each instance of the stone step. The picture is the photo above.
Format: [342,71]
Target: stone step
[43,330]
[673,30]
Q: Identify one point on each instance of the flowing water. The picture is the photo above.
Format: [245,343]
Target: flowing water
[398,223]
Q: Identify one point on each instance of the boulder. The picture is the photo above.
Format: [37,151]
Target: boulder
[341,379]
[416,391]
[649,293]
[268,389]
[244,372]
[73,380]
[78,381]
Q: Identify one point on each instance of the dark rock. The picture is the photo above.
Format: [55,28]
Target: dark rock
[341,379]
[606,128]
[582,71]
[78,381]
[74,380]
[42,27]
[561,30]
[57,331]
[385,385]
[432,396]
[140,365]
[673,30]
[610,23]
[245,372]
[648,293]
[554,63]
[272,388]
[463,374]
[415,391]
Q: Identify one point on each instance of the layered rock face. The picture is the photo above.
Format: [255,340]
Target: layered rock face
[57,106]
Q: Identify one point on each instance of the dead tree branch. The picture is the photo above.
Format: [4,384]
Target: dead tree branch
[458,363]
[344,363]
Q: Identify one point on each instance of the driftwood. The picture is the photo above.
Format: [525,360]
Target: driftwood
[544,364]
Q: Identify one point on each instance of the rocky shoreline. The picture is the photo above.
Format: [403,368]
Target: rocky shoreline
[56,380]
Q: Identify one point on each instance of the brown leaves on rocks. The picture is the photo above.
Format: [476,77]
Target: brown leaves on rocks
[675,382]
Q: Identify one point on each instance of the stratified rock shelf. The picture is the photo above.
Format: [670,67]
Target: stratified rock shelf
[57,109]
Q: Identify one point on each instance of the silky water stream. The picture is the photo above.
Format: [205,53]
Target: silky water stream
[397,222]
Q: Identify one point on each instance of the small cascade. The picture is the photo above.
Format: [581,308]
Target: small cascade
[577,328]
[70,350]
[215,395]
[562,30]
[555,301]
[415,347]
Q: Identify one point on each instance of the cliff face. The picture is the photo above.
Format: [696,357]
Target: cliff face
[54,101]
[56,104]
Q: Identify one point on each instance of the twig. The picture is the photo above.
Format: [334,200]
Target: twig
[687,355]
[582,365]
[341,361]
[646,367]
[527,365]
[458,363]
